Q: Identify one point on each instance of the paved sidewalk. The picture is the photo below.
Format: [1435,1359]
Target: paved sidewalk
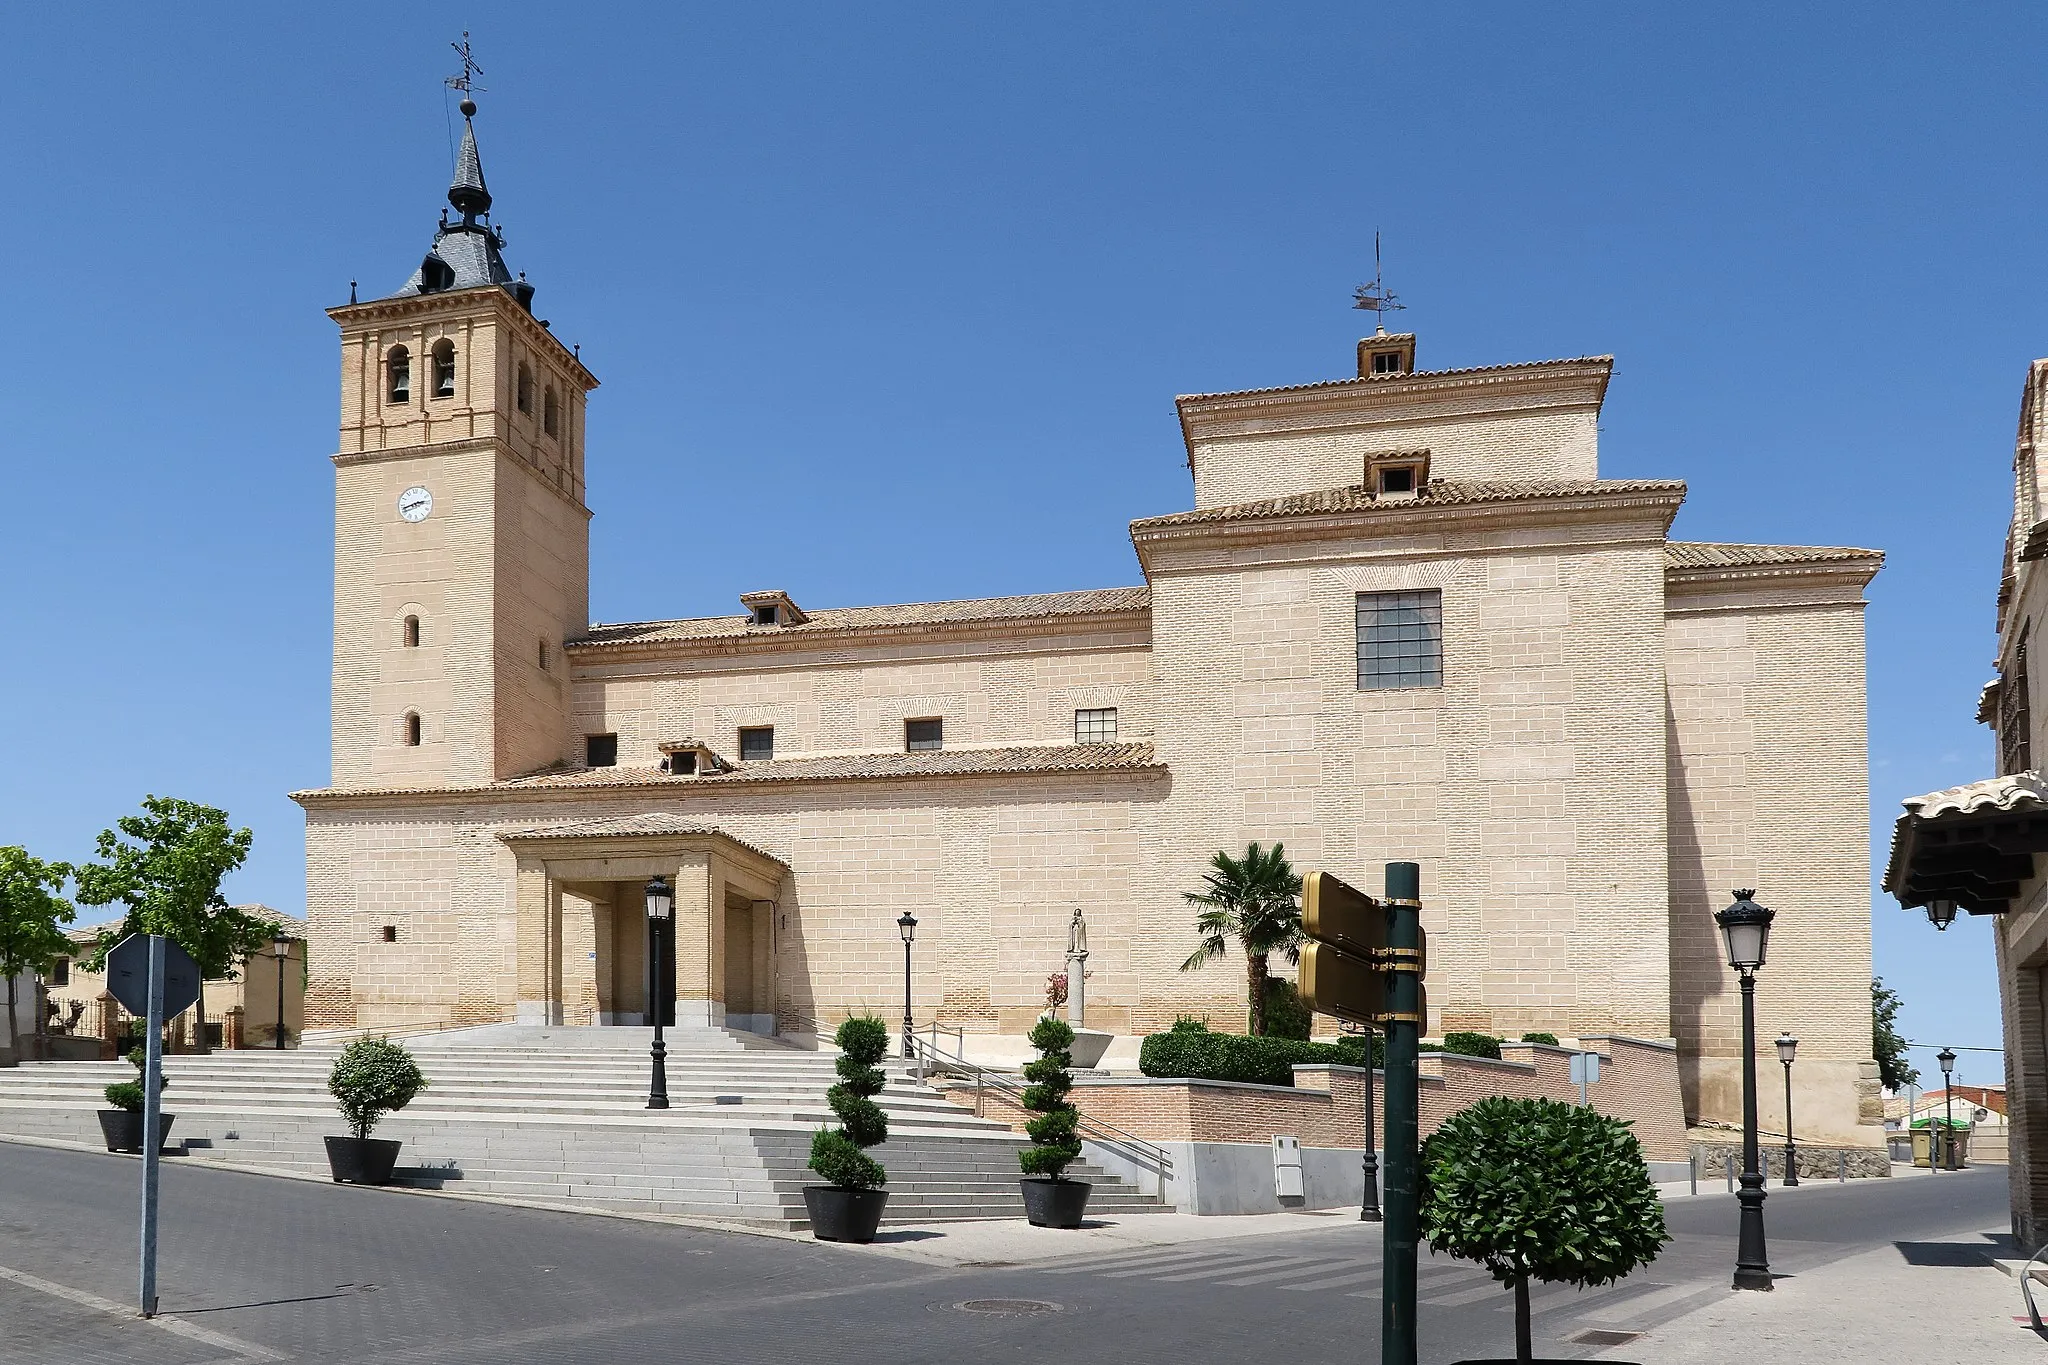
[1932,1301]
[1012,1241]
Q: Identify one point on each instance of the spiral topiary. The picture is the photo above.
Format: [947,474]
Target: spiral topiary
[1053,1129]
[129,1094]
[837,1154]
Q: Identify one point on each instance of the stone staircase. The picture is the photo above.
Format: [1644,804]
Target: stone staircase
[558,1116]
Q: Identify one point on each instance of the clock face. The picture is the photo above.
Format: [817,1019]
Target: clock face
[414,503]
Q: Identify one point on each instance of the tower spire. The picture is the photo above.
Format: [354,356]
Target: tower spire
[467,192]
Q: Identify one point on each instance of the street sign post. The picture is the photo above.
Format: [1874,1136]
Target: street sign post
[1364,963]
[1585,1071]
[156,979]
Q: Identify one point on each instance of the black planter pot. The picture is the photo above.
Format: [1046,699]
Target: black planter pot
[1054,1203]
[361,1161]
[122,1129]
[842,1215]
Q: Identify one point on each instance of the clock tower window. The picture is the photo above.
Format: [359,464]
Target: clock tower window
[525,388]
[444,368]
[412,632]
[550,412]
[412,729]
[398,370]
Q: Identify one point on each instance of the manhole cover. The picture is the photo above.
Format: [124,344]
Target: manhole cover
[1605,1336]
[1007,1307]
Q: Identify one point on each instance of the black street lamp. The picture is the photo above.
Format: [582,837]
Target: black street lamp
[1369,1206]
[1746,926]
[280,951]
[1947,1059]
[906,924]
[661,904]
[1941,913]
[1788,1048]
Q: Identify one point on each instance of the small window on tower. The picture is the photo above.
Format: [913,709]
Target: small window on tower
[550,412]
[757,743]
[601,751]
[413,730]
[543,655]
[1386,362]
[444,368]
[524,395]
[412,632]
[923,736]
[398,370]
[391,933]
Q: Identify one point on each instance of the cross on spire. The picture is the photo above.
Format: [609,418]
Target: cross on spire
[466,82]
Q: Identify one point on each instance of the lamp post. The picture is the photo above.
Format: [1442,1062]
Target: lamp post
[1941,913]
[1369,1206]
[1788,1048]
[1746,928]
[906,924]
[661,904]
[280,952]
[1947,1058]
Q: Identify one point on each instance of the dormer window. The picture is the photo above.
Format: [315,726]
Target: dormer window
[1396,474]
[764,615]
[772,608]
[444,368]
[1386,362]
[398,374]
[1397,479]
[691,758]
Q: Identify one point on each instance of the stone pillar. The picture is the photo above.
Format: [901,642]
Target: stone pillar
[539,944]
[110,1026]
[764,967]
[699,944]
[231,1028]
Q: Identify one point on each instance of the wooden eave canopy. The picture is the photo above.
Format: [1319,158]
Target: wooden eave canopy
[1976,859]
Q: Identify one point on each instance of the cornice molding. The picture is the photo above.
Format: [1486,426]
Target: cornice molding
[468,445]
[813,636]
[488,300]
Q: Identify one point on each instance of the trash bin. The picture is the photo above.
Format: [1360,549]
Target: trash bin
[1922,1142]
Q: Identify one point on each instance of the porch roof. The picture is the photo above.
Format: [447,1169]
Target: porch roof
[1973,844]
[654,826]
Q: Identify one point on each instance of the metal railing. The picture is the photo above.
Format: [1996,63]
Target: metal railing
[1146,1156]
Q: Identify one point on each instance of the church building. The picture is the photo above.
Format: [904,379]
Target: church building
[1403,618]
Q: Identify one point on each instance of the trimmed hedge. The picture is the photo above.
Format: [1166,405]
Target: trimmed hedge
[1195,1053]
[1473,1045]
[1550,1038]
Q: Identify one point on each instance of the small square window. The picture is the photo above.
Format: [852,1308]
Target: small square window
[1096,726]
[1386,362]
[764,616]
[682,763]
[922,736]
[391,933]
[757,743]
[1398,478]
[601,751]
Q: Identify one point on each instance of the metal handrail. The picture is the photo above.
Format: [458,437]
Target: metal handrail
[1140,1151]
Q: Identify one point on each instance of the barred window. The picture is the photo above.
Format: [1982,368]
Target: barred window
[1096,726]
[1400,639]
[757,743]
[921,736]
[2015,719]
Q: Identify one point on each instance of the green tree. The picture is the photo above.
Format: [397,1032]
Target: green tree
[165,867]
[1535,1189]
[32,916]
[1053,1131]
[836,1152]
[1886,1045]
[1252,900]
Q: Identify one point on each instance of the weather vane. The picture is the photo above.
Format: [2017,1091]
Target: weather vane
[1375,297]
[466,82]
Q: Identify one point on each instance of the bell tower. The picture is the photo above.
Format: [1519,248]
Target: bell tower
[462,544]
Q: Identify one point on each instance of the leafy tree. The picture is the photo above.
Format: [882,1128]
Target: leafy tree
[1250,899]
[1046,1096]
[836,1153]
[166,866]
[1534,1189]
[31,918]
[371,1078]
[1886,1045]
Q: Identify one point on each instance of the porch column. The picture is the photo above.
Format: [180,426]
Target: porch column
[699,944]
[538,997]
[765,1011]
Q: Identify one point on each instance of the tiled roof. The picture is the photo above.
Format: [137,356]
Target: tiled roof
[1697,554]
[629,826]
[1437,493]
[866,767]
[2015,791]
[88,934]
[1075,758]
[1365,380]
[833,620]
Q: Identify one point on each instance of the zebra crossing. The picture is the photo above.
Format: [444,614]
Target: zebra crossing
[1353,1272]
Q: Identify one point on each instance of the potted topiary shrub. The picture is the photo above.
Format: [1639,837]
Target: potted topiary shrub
[848,1207]
[1538,1190]
[371,1078]
[1050,1200]
[122,1125]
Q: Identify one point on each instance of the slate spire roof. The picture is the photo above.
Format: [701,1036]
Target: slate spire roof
[470,253]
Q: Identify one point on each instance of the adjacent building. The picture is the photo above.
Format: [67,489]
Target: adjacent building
[1404,618]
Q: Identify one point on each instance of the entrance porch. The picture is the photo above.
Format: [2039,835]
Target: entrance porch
[582,924]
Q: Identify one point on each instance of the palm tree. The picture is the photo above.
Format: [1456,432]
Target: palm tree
[1250,899]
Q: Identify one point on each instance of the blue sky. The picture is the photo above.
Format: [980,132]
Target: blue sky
[891,303]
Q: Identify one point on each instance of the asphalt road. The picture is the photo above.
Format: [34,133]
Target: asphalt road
[257,1268]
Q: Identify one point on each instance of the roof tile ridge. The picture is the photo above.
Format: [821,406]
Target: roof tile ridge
[1366,380]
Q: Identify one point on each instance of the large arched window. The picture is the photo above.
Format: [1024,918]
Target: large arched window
[444,368]
[524,393]
[550,412]
[412,729]
[398,374]
[412,632]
